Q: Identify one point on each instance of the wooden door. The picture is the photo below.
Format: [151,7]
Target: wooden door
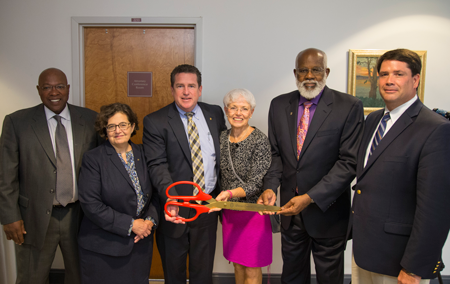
[110,52]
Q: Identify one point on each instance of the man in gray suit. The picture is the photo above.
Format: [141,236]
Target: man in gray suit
[31,211]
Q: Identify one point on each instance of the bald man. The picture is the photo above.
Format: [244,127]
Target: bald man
[32,214]
[314,132]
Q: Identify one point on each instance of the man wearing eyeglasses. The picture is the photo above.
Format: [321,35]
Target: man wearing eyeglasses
[40,157]
[314,132]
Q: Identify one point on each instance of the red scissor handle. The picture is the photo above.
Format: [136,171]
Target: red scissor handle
[200,209]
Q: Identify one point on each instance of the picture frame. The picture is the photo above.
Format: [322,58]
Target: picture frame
[363,77]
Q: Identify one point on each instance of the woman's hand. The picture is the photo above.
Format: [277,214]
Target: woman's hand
[142,229]
[223,196]
[268,197]
[149,224]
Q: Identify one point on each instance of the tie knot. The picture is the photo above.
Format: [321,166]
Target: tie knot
[386,116]
[307,104]
[189,114]
[57,118]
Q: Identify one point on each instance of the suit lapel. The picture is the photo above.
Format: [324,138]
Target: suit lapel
[42,133]
[324,108]
[115,160]
[140,167]
[291,115]
[179,131]
[371,124]
[404,121]
[78,133]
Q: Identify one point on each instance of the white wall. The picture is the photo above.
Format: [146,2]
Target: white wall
[246,43]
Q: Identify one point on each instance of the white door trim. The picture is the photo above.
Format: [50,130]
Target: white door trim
[79,23]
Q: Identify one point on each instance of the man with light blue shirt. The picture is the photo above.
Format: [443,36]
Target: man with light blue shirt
[40,158]
[181,143]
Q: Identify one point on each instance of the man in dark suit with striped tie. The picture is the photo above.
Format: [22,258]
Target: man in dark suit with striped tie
[400,214]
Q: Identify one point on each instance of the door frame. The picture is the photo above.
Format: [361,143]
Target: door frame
[79,23]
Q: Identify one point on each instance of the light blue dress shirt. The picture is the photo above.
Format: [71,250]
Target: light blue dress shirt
[206,143]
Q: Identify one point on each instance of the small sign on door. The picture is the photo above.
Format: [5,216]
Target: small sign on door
[140,84]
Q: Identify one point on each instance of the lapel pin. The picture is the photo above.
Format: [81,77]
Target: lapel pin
[210,118]
[291,113]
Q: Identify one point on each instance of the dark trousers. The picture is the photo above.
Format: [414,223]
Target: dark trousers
[33,264]
[297,245]
[199,242]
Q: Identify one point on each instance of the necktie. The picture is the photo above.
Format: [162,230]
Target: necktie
[196,153]
[303,127]
[380,133]
[64,175]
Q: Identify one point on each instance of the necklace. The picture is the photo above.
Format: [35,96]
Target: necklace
[240,137]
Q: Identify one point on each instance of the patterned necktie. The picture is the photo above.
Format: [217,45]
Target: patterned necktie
[303,127]
[380,133]
[64,174]
[196,153]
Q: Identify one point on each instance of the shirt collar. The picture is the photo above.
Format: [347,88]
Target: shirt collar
[314,101]
[183,113]
[398,111]
[64,114]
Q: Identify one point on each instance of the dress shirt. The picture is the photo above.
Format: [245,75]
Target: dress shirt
[206,143]
[312,108]
[51,123]
[395,115]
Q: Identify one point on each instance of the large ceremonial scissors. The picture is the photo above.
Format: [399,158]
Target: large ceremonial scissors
[213,203]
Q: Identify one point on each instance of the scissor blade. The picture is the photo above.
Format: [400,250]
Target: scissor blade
[240,206]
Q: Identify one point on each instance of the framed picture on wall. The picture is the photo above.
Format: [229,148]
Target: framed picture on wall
[363,77]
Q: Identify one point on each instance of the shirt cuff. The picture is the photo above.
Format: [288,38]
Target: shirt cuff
[131,227]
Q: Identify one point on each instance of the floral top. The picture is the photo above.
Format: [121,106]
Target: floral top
[141,198]
[251,160]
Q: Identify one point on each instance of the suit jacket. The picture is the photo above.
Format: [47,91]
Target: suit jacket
[109,201]
[28,166]
[401,213]
[327,162]
[169,156]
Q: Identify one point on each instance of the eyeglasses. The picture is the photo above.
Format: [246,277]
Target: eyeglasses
[314,71]
[122,126]
[48,88]
[235,109]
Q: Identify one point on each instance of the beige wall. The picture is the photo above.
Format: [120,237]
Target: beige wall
[246,44]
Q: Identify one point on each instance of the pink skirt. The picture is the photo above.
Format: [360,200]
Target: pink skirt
[247,238]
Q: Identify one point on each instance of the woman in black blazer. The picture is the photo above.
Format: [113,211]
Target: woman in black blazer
[120,206]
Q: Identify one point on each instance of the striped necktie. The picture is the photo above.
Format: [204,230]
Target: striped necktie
[196,153]
[380,133]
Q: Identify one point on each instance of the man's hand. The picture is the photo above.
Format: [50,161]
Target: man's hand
[405,278]
[295,205]
[15,231]
[268,197]
[173,210]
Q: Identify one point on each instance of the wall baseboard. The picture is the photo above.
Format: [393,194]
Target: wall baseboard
[57,277]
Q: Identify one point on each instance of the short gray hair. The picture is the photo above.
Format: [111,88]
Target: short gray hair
[236,93]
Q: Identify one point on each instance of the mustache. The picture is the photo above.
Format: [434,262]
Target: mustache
[308,82]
